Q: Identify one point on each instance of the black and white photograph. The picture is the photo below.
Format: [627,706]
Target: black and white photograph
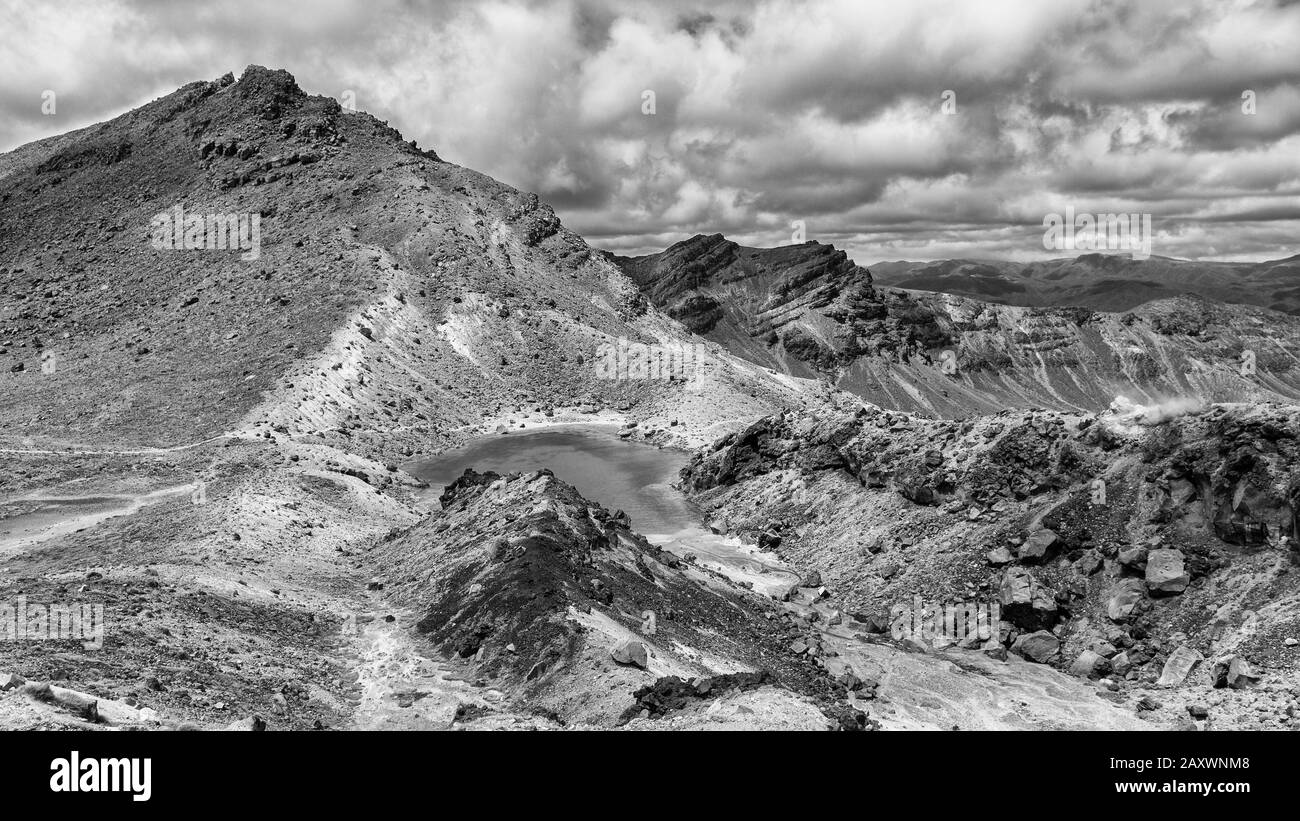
[565,369]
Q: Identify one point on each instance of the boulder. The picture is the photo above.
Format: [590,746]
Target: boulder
[630,651]
[1090,562]
[1102,648]
[914,644]
[1090,664]
[1039,646]
[994,650]
[1134,558]
[874,624]
[251,724]
[1166,572]
[1241,674]
[1120,663]
[999,556]
[1233,671]
[1124,598]
[1242,532]
[1025,601]
[10,681]
[1038,545]
[1178,666]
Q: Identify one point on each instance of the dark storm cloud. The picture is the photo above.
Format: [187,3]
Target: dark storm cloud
[829,112]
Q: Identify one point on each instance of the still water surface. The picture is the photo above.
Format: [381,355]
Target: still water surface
[629,476]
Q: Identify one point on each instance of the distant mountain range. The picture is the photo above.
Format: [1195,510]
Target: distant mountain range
[807,310]
[1105,282]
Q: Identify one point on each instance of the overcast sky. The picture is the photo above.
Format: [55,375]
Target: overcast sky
[831,113]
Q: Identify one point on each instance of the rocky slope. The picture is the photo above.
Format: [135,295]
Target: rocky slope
[393,290]
[809,311]
[204,444]
[563,607]
[1151,549]
[1103,282]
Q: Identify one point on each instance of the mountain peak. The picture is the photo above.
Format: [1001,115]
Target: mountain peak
[271,86]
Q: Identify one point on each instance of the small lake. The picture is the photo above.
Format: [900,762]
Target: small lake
[630,476]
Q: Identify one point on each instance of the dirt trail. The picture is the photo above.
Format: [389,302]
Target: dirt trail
[398,688]
[56,516]
[136,452]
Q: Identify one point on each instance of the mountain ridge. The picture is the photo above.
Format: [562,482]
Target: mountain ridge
[809,311]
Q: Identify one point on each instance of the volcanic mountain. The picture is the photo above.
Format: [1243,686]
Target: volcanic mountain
[389,283]
[205,439]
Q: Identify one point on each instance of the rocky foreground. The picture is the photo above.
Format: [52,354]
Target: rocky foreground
[518,605]
[1149,550]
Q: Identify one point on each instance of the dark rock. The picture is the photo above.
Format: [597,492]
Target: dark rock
[1233,671]
[1040,646]
[1090,664]
[1134,558]
[1165,573]
[1039,545]
[1025,601]
[1124,598]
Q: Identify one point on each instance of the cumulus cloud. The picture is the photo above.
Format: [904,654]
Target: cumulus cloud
[831,112]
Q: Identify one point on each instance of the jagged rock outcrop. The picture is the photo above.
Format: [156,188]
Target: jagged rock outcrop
[1109,529]
[545,592]
[808,310]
